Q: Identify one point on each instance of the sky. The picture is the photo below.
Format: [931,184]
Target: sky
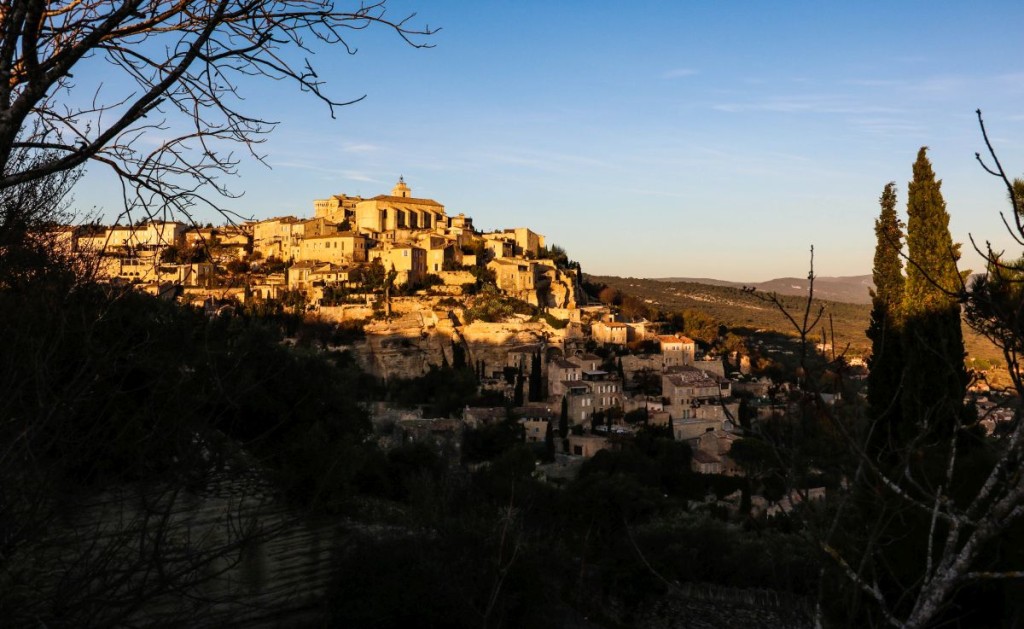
[658,139]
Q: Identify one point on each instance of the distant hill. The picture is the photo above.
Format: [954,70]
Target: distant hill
[737,309]
[852,289]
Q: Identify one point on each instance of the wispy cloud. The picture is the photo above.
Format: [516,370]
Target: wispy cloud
[678,73]
[360,147]
[545,160]
[888,126]
[807,103]
[1011,77]
[355,175]
[942,84]
[875,82]
[333,173]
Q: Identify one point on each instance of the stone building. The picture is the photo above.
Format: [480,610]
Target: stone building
[691,393]
[338,248]
[560,372]
[610,332]
[410,262]
[605,388]
[579,397]
[397,211]
[587,445]
[278,237]
[677,350]
[337,208]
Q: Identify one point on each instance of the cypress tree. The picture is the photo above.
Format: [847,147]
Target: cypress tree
[885,329]
[933,375]
[458,355]
[536,381]
[549,444]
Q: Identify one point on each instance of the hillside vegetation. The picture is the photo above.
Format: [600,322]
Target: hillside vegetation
[852,289]
[738,309]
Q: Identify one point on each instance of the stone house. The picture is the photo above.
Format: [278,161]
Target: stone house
[336,208]
[195,274]
[409,261]
[704,463]
[440,250]
[328,274]
[336,248]
[153,235]
[560,372]
[612,332]
[278,237]
[229,243]
[605,388]
[515,276]
[635,363]
[499,245]
[689,429]
[149,269]
[535,430]
[579,398]
[711,453]
[691,393]
[677,350]
[299,275]
[460,223]
[526,243]
[587,445]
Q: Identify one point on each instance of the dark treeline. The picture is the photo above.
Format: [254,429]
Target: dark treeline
[105,387]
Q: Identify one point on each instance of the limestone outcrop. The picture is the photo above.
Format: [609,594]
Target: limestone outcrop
[407,345]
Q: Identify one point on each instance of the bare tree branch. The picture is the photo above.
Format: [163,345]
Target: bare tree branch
[172,67]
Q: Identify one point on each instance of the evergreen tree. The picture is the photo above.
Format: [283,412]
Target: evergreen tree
[563,420]
[458,356]
[517,394]
[886,363]
[933,375]
[536,380]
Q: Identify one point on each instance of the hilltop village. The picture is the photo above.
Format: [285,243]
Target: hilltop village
[425,289]
[386,384]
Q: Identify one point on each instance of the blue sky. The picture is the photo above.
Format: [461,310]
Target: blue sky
[655,139]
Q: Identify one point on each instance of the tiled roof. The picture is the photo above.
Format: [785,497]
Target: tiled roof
[691,378]
[701,456]
[408,200]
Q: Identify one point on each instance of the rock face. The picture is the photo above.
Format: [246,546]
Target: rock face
[406,346]
[538,282]
[491,342]
[563,288]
